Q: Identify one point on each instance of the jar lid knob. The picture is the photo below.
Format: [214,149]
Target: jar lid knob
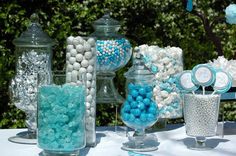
[34,18]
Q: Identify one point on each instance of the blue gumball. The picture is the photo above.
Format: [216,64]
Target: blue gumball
[152,110]
[126,108]
[131,86]
[141,106]
[131,118]
[139,98]
[133,104]
[142,91]
[143,117]
[129,98]
[149,95]
[151,117]
[136,112]
[148,88]
[125,116]
[134,93]
[146,101]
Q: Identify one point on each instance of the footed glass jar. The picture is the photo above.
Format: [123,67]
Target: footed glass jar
[113,53]
[139,110]
[33,69]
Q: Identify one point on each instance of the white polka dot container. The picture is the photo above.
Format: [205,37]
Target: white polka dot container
[165,63]
[81,60]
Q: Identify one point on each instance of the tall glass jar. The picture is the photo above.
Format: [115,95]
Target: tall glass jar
[61,117]
[113,53]
[81,59]
[33,53]
[139,110]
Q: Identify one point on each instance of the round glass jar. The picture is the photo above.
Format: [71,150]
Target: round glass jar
[113,53]
[33,53]
[139,110]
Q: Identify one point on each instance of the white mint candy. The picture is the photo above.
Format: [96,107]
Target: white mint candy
[72,60]
[73,52]
[92,91]
[87,104]
[76,66]
[69,68]
[90,69]
[80,39]
[88,55]
[91,41]
[68,55]
[92,111]
[70,39]
[80,48]
[88,84]
[82,70]
[74,75]
[84,63]
[79,57]
[79,82]
[68,77]
[89,98]
[76,41]
[69,47]
[89,76]
[164,93]
[87,46]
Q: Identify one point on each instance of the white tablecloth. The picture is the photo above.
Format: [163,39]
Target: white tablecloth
[172,142]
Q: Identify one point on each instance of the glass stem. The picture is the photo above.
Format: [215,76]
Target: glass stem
[200,142]
[139,135]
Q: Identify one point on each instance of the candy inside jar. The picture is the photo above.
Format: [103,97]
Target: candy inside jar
[139,110]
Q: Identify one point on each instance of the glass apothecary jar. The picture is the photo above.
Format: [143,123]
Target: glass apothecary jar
[61,119]
[139,110]
[33,53]
[113,53]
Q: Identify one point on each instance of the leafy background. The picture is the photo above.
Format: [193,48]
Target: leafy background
[160,22]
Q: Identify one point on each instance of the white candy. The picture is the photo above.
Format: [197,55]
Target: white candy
[88,55]
[93,85]
[92,111]
[89,76]
[92,91]
[69,40]
[164,93]
[85,63]
[77,40]
[68,77]
[91,41]
[67,55]
[89,98]
[82,70]
[90,69]
[87,104]
[76,66]
[74,75]
[87,46]
[80,48]
[79,57]
[73,52]
[69,47]
[88,84]
[69,68]
[72,60]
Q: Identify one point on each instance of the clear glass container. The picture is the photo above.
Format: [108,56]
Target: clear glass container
[139,110]
[113,53]
[61,117]
[33,52]
[201,118]
[81,59]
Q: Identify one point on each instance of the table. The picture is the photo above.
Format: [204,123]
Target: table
[172,142]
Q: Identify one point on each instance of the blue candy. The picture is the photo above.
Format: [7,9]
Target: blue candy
[133,104]
[146,101]
[139,98]
[134,93]
[142,91]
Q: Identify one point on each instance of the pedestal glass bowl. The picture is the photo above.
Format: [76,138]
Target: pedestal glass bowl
[201,118]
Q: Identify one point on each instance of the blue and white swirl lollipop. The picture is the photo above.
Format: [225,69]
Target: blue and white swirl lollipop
[185,81]
[203,75]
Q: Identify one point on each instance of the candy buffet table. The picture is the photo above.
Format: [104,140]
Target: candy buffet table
[172,142]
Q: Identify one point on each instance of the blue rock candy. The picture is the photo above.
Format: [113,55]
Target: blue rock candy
[56,121]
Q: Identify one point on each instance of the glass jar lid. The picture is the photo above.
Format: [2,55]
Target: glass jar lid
[139,71]
[34,35]
[106,20]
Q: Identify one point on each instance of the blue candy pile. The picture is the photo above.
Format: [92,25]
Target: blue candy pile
[61,111]
[112,54]
[139,110]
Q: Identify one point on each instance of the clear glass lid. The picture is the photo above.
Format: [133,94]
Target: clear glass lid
[34,35]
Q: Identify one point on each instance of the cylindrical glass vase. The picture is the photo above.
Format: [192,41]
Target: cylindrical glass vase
[201,117]
[61,122]
[81,59]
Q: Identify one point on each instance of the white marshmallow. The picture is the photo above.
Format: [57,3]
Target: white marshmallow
[85,63]
[73,52]
[79,57]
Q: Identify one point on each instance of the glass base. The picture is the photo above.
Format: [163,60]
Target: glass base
[59,153]
[26,137]
[145,144]
[106,91]
[200,144]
